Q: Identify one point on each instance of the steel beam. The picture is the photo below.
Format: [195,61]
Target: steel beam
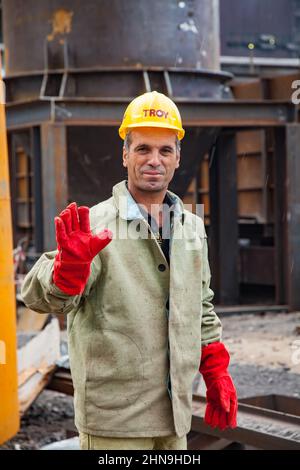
[287,214]
[293,214]
[223,231]
[204,113]
[38,223]
[54,177]
[259,427]
[280,240]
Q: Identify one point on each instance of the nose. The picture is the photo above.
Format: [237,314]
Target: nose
[154,160]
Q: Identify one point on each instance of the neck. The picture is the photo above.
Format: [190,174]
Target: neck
[151,200]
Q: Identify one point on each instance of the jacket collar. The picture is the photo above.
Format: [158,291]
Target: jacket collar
[128,208]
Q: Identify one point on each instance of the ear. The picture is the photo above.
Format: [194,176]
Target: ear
[177,160]
[125,157]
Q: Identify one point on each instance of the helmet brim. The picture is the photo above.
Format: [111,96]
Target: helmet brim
[180,132]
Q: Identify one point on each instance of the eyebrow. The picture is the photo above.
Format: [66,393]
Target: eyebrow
[140,146]
[165,147]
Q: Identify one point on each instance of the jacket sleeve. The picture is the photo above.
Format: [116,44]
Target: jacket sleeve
[40,294]
[211,324]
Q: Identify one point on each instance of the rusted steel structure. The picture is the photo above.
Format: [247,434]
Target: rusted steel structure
[66,97]
[87,61]
[269,422]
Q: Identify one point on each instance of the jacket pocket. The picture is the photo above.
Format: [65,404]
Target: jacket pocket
[115,370]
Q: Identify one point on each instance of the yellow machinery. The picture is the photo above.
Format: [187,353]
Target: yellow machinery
[9,411]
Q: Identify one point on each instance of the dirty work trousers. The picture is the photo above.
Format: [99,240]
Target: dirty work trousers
[172,442]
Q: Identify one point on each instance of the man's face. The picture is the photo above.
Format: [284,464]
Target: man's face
[152,158]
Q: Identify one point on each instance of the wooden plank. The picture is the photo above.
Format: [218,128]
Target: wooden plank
[29,321]
[36,360]
[248,142]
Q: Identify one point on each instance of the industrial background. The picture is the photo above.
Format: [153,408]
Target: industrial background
[70,68]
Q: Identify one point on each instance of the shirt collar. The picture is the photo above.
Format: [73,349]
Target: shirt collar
[132,211]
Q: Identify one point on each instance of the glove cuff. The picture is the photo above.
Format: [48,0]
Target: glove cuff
[70,277]
[214,362]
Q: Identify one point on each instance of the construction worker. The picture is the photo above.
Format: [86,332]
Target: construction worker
[133,275]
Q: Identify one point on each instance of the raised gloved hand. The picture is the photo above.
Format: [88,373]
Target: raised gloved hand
[221,408]
[77,247]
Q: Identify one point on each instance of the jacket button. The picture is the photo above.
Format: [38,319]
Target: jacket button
[161,267]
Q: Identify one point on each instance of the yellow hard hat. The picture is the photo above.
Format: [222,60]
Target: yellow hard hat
[152,109]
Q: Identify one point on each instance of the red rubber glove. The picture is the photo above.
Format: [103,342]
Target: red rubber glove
[77,247]
[221,408]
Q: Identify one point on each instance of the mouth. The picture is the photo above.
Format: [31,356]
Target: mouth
[152,173]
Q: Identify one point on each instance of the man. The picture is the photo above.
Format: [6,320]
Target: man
[133,275]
